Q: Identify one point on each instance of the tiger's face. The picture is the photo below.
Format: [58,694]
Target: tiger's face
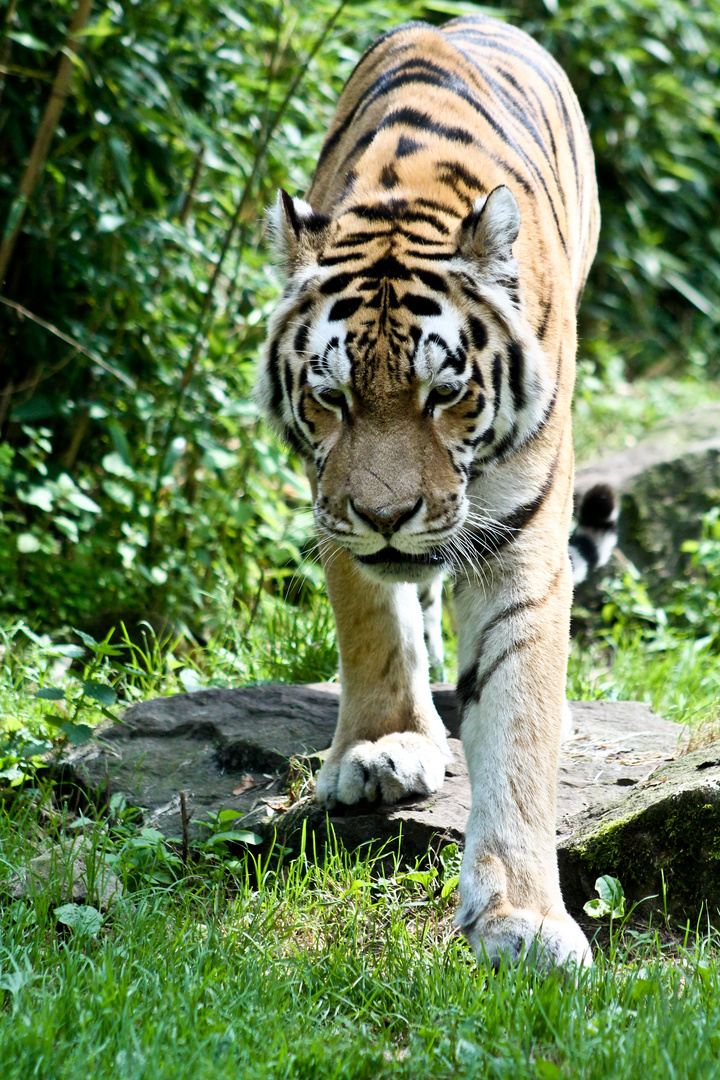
[399,377]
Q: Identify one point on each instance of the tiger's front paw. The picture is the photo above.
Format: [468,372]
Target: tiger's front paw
[397,765]
[512,934]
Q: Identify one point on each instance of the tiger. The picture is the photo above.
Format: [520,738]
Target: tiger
[420,361]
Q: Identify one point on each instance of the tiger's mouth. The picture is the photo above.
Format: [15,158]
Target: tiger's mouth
[391,556]
[390,565]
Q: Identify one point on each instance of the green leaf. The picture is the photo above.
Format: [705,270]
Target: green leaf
[121,159]
[27,543]
[38,496]
[451,884]
[611,899]
[77,734]
[82,502]
[28,41]
[82,919]
[690,293]
[100,692]
[74,651]
[228,815]
[547,1070]
[108,223]
[51,693]
[236,837]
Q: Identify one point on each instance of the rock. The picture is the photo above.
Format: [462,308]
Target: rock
[232,749]
[75,872]
[662,841]
[209,744]
[667,481]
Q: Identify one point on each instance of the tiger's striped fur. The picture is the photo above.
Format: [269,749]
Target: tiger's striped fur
[422,362]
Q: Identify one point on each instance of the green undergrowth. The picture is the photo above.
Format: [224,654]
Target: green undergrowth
[612,413]
[300,970]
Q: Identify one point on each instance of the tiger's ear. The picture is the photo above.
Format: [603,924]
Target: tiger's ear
[297,231]
[492,226]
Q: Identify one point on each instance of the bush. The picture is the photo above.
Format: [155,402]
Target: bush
[134,469]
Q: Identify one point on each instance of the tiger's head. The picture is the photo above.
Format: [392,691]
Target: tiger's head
[399,364]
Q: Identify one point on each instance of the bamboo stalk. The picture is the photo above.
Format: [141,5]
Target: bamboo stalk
[6,49]
[44,136]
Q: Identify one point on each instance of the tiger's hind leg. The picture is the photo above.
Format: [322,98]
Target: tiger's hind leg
[430,596]
[389,741]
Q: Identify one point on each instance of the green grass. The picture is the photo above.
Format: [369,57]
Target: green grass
[298,970]
[612,414]
[320,969]
[327,971]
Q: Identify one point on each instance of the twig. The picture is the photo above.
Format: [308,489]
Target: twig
[66,360]
[183,813]
[192,190]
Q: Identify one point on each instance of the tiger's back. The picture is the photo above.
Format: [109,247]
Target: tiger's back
[439,117]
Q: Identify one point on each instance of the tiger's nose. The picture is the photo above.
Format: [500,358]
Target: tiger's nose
[386,519]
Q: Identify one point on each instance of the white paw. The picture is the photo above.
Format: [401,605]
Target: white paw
[397,765]
[511,934]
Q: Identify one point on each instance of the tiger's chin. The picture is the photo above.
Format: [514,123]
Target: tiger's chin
[391,565]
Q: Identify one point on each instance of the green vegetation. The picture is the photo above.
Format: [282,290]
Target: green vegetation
[136,478]
[325,971]
[134,471]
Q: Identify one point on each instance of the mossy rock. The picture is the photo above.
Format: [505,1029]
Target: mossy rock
[666,482]
[662,842]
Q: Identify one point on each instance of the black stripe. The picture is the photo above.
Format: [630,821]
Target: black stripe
[478,333]
[407,146]
[275,385]
[587,548]
[337,283]
[335,260]
[422,121]
[433,281]
[515,609]
[386,267]
[345,308]
[470,686]
[452,173]
[542,328]
[301,338]
[389,177]
[516,372]
[421,305]
[357,238]
[490,541]
[395,210]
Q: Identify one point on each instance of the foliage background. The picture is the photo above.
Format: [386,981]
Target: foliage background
[134,471]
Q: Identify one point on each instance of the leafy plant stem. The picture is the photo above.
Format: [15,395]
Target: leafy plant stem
[198,340]
[43,138]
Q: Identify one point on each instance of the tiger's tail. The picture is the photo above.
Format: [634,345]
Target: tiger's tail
[594,539]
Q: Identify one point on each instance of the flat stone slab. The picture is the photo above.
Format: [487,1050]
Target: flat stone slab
[232,749]
[662,842]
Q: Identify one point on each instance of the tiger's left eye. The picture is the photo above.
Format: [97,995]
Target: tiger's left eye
[332,397]
[445,392]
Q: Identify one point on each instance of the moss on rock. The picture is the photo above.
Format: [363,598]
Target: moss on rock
[662,842]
